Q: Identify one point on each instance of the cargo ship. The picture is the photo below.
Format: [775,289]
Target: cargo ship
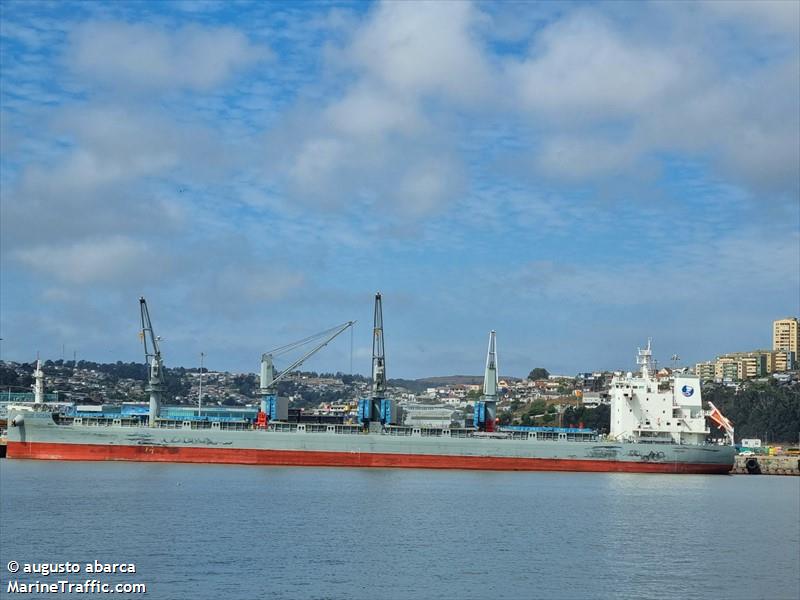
[655,427]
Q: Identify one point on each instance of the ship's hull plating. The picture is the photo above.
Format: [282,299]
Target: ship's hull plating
[311,458]
[41,438]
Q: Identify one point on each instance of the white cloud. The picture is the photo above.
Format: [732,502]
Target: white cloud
[116,170]
[606,99]
[382,141]
[770,16]
[597,97]
[581,69]
[93,260]
[426,185]
[423,48]
[368,111]
[706,269]
[258,284]
[147,57]
[576,157]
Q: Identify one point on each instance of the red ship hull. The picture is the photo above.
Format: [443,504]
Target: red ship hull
[308,458]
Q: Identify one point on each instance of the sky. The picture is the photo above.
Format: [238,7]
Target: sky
[576,176]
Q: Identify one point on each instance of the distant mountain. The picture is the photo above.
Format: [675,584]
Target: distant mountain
[452,380]
[460,380]
[420,385]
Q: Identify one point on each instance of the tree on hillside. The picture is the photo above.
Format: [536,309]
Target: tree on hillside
[759,409]
[592,418]
[538,373]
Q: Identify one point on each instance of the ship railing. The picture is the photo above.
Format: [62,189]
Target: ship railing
[232,425]
[461,432]
[397,430]
[194,424]
[282,427]
[554,436]
[431,432]
[97,421]
[316,427]
[135,421]
[492,435]
[348,429]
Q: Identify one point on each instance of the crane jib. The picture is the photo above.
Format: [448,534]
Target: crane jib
[267,357]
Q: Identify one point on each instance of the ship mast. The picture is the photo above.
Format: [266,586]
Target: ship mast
[645,360]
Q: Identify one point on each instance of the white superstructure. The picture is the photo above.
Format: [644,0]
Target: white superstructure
[644,409]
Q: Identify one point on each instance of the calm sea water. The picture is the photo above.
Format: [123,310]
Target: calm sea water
[209,532]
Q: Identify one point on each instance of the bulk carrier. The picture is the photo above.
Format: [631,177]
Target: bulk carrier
[655,428]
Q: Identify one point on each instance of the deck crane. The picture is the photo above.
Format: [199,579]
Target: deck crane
[378,356]
[377,411]
[485,411]
[270,377]
[156,383]
[38,382]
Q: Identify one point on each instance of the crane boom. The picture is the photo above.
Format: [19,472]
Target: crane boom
[156,383]
[268,375]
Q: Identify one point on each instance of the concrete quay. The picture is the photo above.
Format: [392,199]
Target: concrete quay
[766,465]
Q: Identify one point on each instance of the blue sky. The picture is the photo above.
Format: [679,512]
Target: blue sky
[577,176]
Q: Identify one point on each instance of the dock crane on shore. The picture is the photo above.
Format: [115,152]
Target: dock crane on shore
[156,383]
[271,409]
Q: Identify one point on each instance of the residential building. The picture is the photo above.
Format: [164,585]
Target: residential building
[726,368]
[781,360]
[775,360]
[786,335]
[747,366]
[705,370]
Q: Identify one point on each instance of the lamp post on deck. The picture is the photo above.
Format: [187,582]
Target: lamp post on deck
[200,394]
